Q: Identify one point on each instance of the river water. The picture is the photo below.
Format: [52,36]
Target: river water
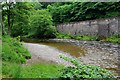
[103,57]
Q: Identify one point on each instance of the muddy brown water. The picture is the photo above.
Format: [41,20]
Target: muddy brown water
[73,50]
[67,47]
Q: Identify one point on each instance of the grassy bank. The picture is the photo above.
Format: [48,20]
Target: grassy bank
[112,39]
[14,55]
[31,71]
[13,50]
[41,71]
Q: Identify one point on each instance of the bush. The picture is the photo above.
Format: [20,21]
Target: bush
[84,37]
[63,36]
[13,55]
[13,51]
[77,37]
[81,71]
[41,25]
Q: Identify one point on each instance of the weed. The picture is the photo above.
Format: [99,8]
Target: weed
[82,71]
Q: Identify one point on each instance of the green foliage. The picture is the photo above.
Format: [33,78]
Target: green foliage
[63,36]
[41,71]
[41,24]
[13,54]
[20,19]
[78,11]
[77,37]
[30,71]
[13,51]
[60,12]
[114,39]
[84,37]
[10,70]
[82,71]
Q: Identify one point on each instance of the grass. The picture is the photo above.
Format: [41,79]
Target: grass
[41,71]
[88,38]
[10,70]
[14,55]
[112,39]
[77,37]
[0,59]
[31,71]
[13,50]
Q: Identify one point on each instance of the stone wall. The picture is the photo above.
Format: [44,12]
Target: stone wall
[101,27]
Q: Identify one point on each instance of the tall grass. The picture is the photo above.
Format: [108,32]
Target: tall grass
[14,55]
[13,51]
[41,71]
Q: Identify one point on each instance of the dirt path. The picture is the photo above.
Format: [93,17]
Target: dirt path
[45,54]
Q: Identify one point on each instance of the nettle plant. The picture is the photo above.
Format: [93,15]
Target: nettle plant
[83,71]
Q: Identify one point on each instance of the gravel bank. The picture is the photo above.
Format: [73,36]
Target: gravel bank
[45,54]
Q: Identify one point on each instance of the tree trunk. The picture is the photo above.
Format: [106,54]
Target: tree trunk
[2,22]
[8,16]
[3,25]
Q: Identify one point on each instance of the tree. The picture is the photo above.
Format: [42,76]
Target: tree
[20,19]
[41,24]
[79,11]
[6,11]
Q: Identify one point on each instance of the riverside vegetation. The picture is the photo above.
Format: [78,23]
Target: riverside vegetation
[14,55]
[113,39]
[38,20]
[13,52]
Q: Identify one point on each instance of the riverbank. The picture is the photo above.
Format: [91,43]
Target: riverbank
[102,54]
[45,54]
[97,53]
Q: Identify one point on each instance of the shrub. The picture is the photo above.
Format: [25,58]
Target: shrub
[81,71]
[13,50]
[63,36]
[77,37]
[84,37]
[13,54]
[41,25]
